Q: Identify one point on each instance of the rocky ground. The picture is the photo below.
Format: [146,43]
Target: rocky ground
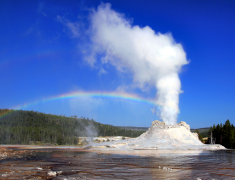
[69,164]
[10,153]
[72,163]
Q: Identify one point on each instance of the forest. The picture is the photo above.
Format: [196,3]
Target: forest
[30,127]
[223,134]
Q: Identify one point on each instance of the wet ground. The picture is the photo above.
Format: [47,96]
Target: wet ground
[78,164]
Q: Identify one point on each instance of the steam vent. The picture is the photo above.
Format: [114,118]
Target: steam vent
[162,137]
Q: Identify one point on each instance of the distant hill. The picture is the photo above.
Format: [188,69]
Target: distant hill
[203,131]
[133,128]
[27,127]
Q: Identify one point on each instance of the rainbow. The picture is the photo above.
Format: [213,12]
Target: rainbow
[78,94]
[6,113]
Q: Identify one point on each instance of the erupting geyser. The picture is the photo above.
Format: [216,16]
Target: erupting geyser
[154,58]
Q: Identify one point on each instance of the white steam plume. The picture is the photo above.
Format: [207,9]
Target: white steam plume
[154,58]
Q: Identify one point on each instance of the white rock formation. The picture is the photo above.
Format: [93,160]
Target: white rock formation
[161,136]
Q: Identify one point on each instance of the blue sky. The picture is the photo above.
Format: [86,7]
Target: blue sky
[41,56]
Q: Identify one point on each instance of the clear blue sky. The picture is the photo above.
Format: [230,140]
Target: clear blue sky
[41,57]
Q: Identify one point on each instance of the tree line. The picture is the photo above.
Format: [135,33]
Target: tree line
[223,134]
[30,127]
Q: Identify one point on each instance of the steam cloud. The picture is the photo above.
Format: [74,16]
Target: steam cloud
[153,58]
[86,129]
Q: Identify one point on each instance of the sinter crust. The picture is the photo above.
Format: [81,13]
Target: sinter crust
[162,137]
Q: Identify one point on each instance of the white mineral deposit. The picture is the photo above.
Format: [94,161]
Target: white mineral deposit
[161,137]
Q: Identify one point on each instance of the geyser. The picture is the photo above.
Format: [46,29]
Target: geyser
[161,137]
[153,58]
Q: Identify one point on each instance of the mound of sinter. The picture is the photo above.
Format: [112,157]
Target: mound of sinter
[161,136]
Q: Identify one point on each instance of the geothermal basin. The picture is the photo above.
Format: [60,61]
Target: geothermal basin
[163,152]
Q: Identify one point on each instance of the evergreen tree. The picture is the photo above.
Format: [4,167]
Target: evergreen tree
[224,134]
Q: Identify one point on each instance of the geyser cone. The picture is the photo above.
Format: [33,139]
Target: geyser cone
[162,136]
[170,135]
